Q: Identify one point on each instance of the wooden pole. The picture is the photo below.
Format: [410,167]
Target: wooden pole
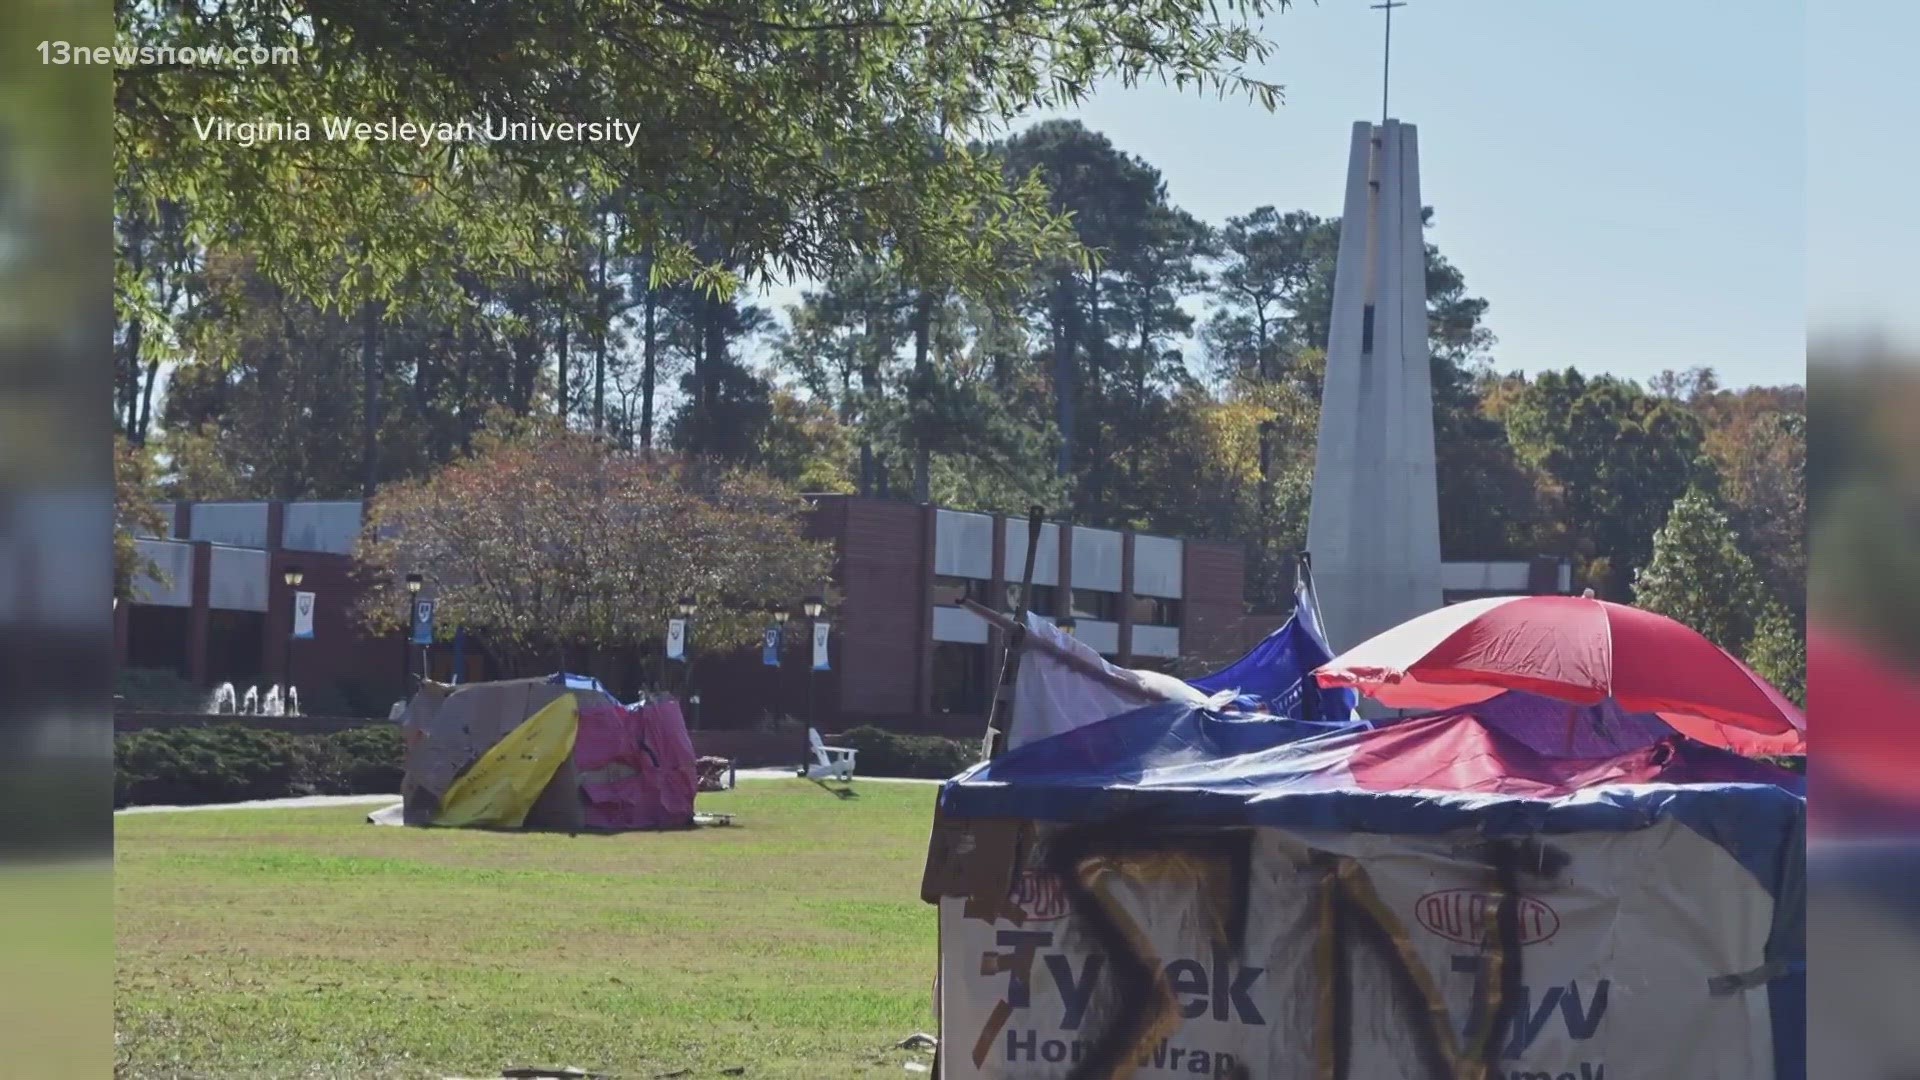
[999,714]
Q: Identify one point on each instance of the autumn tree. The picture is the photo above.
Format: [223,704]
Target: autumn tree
[549,545]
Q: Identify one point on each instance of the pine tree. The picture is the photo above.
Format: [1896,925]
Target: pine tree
[1699,576]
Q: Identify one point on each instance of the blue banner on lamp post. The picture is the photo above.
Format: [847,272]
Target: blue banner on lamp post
[770,647]
[423,622]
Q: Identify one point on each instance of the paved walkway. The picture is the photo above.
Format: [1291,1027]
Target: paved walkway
[788,774]
[304,802]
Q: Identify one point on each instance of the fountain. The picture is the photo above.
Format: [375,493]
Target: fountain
[250,704]
[223,700]
[272,704]
[293,701]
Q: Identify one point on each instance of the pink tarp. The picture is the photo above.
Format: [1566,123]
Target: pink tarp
[636,766]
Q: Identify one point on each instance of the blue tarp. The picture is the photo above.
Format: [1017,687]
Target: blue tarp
[1273,675]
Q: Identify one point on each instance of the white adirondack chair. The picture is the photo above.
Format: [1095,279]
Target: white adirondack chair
[829,762]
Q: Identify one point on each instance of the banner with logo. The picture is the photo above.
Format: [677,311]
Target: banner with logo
[770,647]
[820,646]
[1268,953]
[676,639]
[303,615]
[423,622]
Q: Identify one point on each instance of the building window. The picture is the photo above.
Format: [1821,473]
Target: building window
[1046,599]
[959,678]
[1094,604]
[1155,611]
[952,591]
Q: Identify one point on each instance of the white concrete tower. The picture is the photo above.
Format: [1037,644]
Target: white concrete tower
[1374,525]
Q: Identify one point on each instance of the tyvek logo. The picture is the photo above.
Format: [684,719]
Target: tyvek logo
[1465,915]
[1039,896]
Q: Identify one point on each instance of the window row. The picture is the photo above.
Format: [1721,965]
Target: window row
[1091,604]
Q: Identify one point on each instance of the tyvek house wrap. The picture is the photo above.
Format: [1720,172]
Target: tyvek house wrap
[1172,893]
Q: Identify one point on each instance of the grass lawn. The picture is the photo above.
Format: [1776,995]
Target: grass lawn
[303,943]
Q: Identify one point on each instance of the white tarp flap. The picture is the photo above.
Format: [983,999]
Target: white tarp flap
[1052,696]
[1616,951]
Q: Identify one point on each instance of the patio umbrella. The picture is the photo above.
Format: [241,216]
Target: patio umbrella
[1576,649]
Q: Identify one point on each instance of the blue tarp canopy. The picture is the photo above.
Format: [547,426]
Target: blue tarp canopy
[1274,676]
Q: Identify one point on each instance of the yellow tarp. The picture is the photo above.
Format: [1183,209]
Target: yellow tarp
[503,785]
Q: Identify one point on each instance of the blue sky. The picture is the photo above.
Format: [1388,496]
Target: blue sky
[1625,182]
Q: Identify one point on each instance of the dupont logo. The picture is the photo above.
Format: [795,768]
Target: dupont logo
[1465,916]
[1039,896]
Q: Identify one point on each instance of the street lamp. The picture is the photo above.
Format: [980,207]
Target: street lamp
[687,607]
[414,583]
[812,606]
[293,576]
[779,615]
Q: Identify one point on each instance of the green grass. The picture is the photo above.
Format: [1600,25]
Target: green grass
[306,943]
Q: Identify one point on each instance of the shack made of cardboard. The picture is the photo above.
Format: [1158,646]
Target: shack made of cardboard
[1175,892]
[556,753]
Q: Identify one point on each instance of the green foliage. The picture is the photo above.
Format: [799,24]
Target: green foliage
[1617,458]
[135,493]
[234,763]
[1778,652]
[1699,576]
[887,753]
[775,139]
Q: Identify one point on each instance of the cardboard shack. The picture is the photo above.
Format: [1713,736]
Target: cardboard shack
[1173,891]
[555,753]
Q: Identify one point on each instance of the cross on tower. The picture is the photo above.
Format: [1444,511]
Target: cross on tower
[1386,60]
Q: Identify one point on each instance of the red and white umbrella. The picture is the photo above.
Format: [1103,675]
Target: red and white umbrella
[1576,649]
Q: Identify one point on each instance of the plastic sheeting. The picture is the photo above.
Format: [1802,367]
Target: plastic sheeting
[507,780]
[1275,674]
[636,767]
[1200,894]
[1053,696]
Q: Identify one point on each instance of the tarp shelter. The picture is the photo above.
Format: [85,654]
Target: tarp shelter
[1196,894]
[545,754]
[1274,675]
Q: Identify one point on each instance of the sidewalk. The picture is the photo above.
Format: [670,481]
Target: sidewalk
[303,802]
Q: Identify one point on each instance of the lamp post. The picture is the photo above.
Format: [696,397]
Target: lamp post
[780,616]
[687,607]
[414,583]
[811,607]
[293,576]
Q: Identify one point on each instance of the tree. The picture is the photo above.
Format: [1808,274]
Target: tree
[549,543]
[135,514]
[1757,441]
[1699,576]
[790,118]
[1778,652]
[1617,458]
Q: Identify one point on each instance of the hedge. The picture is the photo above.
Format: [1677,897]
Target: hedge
[888,753]
[233,763]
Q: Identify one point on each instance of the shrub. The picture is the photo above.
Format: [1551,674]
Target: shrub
[889,753]
[233,763]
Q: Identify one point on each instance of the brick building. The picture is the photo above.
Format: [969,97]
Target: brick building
[904,654]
